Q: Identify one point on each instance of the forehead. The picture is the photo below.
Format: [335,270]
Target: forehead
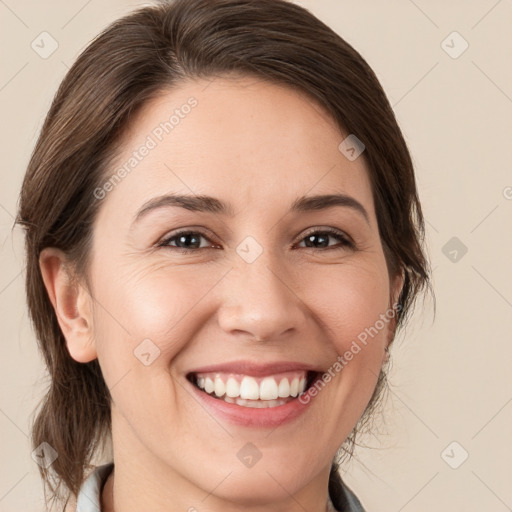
[245,140]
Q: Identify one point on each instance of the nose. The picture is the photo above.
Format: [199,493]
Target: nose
[259,301]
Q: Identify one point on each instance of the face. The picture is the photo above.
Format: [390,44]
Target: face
[242,285]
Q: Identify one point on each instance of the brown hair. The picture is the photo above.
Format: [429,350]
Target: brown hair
[129,63]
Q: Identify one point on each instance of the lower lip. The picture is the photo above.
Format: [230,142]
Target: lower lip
[251,416]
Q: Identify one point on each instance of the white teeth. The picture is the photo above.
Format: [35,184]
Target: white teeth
[220,387]
[249,388]
[268,389]
[260,404]
[294,387]
[232,388]
[284,388]
[209,386]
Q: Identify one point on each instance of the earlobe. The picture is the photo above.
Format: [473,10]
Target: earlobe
[399,282]
[71,302]
[397,287]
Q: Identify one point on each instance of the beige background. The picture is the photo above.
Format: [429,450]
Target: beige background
[451,378]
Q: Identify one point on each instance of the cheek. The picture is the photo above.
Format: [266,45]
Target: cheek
[160,311]
[349,301]
[168,307]
[144,321]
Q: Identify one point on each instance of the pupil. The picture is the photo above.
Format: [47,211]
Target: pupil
[183,239]
[323,239]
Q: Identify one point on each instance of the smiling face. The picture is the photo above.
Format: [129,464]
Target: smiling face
[254,278]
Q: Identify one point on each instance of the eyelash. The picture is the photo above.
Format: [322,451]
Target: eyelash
[344,240]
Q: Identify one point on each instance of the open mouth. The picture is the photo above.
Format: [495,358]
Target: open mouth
[255,392]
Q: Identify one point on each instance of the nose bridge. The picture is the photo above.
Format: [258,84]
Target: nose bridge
[258,295]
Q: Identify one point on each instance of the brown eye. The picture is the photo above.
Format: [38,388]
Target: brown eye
[319,239]
[185,241]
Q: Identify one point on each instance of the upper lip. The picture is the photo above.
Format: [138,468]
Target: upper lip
[246,367]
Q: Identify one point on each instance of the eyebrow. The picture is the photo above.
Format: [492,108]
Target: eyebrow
[209,204]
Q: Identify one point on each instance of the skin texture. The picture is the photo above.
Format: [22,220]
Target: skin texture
[258,146]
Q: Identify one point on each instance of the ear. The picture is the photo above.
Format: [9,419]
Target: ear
[397,284]
[72,304]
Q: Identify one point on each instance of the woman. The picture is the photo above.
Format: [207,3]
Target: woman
[223,236]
